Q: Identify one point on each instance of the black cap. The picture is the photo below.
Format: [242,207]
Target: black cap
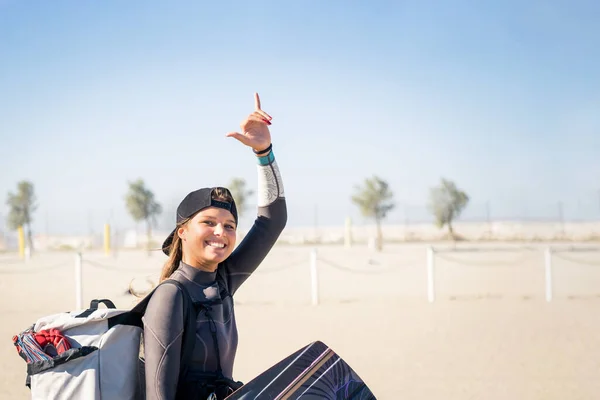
[196,201]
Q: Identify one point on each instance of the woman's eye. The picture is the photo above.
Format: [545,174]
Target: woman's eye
[230,227]
[209,223]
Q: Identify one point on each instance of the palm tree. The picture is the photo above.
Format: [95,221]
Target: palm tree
[142,206]
[374,200]
[447,203]
[22,204]
[240,194]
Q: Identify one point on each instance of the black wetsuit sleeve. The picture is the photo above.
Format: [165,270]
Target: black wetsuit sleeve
[163,330]
[269,223]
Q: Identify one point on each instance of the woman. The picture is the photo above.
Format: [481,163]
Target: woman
[202,258]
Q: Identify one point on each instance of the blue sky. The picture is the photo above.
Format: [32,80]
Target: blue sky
[501,97]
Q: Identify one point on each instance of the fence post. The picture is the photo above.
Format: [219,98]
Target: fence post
[78,282]
[548,263]
[314,279]
[430,275]
[107,239]
[348,233]
[21,235]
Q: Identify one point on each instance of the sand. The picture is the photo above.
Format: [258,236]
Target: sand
[489,334]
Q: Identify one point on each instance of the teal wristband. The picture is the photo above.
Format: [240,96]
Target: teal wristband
[266,160]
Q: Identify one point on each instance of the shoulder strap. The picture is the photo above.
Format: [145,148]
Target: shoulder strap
[222,279]
[188,342]
[189,323]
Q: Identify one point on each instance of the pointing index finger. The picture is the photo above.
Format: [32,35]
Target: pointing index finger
[256,101]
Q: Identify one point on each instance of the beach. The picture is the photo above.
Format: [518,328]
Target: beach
[489,333]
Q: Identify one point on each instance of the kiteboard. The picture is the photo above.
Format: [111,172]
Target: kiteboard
[313,372]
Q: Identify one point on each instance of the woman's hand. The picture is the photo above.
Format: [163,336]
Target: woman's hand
[255,128]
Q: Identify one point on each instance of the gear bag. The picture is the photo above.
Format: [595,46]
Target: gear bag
[95,353]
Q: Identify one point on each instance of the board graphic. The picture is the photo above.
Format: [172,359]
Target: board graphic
[313,372]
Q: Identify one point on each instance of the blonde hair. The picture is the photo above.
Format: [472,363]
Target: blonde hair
[222,194]
[176,247]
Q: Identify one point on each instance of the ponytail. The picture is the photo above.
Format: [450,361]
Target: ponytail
[172,263]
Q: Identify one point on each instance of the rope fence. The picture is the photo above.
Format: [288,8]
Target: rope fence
[454,260]
[318,264]
[105,267]
[549,254]
[341,268]
[284,267]
[562,256]
[29,270]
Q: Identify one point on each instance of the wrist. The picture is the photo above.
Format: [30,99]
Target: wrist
[263,152]
[266,158]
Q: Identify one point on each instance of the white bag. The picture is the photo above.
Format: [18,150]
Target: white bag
[104,361]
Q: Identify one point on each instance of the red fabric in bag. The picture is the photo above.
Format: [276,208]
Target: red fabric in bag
[52,341]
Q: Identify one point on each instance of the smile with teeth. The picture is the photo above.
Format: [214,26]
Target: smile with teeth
[217,245]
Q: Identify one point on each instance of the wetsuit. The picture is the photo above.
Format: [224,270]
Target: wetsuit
[163,320]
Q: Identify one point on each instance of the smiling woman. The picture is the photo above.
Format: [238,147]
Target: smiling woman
[208,239]
[205,234]
[203,262]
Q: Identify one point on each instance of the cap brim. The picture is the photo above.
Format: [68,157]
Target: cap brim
[167,243]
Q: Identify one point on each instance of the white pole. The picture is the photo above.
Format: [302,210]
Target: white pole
[78,283]
[548,274]
[314,279]
[348,233]
[430,278]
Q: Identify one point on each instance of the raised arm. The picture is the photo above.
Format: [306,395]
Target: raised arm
[272,208]
[163,330]
[268,225]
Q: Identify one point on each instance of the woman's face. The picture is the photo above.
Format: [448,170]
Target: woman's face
[208,238]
